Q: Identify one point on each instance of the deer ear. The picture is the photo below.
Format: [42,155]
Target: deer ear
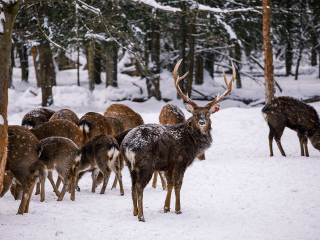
[214,108]
[189,107]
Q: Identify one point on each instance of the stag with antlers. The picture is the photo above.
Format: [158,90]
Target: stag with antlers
[169,148]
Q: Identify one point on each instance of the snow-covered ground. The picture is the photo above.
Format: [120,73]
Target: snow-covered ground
[238,192]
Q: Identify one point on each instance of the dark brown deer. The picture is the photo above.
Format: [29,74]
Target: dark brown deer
[36,117]
[93,124]
[100,153]
[128,117]
[65,114]
[23,151]
[169,148]
[281,112]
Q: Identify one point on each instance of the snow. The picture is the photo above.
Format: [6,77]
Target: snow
[1,120]
[2,20]
[238,192]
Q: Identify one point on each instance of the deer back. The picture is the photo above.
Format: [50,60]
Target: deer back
[65,114]
[36,117]
[60,128]
[126,115]
[171,114]
[116,125]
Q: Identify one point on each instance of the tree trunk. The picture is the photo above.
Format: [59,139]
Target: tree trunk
[298,62]
[24,64]
[189,79]
[108,69]
[209,64]
[183,45]
[199,70]
[91,66]
[10,11]
[114,81]
[46,73]
[36,65]
[237,52]
[267,46]
[288,56]
[97,64]
[153,83]
[12,64]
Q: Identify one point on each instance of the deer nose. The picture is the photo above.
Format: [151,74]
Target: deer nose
[202,122]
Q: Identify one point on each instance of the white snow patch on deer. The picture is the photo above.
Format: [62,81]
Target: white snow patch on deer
[1,120]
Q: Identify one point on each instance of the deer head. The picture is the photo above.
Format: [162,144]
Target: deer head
[201,115]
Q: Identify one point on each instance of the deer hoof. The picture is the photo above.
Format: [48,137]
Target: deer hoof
[178,212]
[166,209]
[141,219]
[78,189]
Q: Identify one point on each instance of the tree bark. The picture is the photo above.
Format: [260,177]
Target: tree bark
[199,70]
[237,52]
[114,81]
[24,64]
[91,66]
[298,62]
[189,79]
[108,70]
[267,46]
[36,66]
[209,64]
[183,45]
[97,64]
[10,11]
[46,73]
[12,64]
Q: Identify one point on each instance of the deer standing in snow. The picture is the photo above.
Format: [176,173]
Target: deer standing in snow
[281,112]
[169,148]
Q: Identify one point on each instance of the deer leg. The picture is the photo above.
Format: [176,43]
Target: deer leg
[163,181]
[95,173]
[119,177]
[115,181]
[43,177]
[55,188]
[271,135]
[73,184]
[106,176]
[64,189]
[277,137]
[303,142]
[140,202]
[134,192]
[37,189]
[59,179]
[169,191]
[177,187]
[155,178]
[7,181]
[79,176]
[26,210]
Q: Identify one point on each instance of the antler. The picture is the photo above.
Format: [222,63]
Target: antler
[176,83]
[229,88]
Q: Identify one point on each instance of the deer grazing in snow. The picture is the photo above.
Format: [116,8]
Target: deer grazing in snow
[281,112]
[169,148]
[36,117]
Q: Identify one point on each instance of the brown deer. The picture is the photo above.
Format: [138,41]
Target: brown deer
[59,128]
[93,124]
[100,153]
[65,114]
[128,117]
[36,117]
[60,154]
[281,112]
[169,148]
[24,150]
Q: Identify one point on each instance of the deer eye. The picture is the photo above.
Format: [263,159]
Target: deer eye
[194,114]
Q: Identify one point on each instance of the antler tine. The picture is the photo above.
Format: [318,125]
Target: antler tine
[176,83]
[228,90]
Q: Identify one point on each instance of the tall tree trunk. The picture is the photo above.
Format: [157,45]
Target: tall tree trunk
[108,69]
[147,42]
[24,64]
[199,70]
[298,62]
[12,64]
[36,65]
[288,57]
[46,73]
[183,45]
[237,52]
[189,79]
[10,10]
[267,46]
[114,81]
[91,66]
[97,64]
[209,64]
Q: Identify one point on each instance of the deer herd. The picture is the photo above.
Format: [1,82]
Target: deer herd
[101,144]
